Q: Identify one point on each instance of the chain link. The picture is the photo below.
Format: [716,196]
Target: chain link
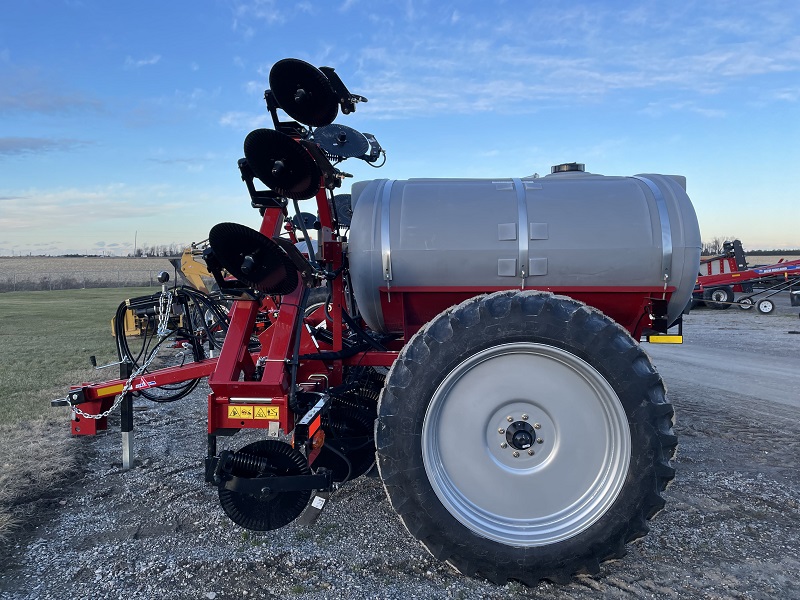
[164,308]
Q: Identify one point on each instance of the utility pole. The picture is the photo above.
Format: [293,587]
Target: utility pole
[136,233]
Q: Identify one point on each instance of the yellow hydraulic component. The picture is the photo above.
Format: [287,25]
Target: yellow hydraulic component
[133,325]
[194,270]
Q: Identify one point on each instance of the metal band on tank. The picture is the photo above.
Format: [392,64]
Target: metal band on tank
[666,230]
[386,244]
[523,235]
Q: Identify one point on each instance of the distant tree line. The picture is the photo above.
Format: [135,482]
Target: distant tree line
[159,250]
[715,246]
[791,251]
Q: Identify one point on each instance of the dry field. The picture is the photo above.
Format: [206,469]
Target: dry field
[767,259]
[30,273]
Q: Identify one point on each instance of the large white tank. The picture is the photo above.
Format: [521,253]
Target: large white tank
[567,231]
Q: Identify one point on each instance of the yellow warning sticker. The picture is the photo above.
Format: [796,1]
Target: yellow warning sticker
[109,389]
[239,411]
[268,412]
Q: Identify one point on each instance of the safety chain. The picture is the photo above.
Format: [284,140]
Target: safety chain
[164,308]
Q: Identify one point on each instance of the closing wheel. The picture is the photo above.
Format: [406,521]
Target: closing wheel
[265,458]
[746,303]
[765,306]
[524,436]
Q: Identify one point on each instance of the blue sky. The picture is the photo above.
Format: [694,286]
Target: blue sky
[123,120]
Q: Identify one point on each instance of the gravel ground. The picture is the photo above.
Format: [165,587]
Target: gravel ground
[731,528]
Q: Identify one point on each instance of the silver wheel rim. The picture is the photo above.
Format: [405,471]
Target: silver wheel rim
[746,303]
[765,306]
[719,296]
[577,463]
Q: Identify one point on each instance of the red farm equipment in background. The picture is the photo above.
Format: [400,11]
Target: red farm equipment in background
[721,277]
[473,343]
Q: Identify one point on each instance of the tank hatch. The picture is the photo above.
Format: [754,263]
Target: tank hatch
[567,167]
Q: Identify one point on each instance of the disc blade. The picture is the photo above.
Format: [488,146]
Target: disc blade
[282,164]
[303,92]
[253,258]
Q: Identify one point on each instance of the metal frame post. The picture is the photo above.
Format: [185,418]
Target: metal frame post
[126,417]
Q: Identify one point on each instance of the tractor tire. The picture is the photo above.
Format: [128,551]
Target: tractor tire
[524,436]
[720,298]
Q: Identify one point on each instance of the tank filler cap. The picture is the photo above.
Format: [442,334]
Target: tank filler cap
[568,168]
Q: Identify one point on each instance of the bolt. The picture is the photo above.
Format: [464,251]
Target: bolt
[504,445]
[516,454]
[530,452]
[509,419]
[539,441]
[524,417]
[501,430]
[537,426]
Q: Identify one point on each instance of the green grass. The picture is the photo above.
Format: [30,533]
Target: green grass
[46,339]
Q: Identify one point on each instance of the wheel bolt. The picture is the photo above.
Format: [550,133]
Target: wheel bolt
[530,452]
[539,441]
[537,426]
[504,445]
[516,454]
[509,419]
[524,417]
[501,430]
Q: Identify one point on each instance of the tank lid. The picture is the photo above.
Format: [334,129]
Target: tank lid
[568,167]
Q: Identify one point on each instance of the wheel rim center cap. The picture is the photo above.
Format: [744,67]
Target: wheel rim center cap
[520,435]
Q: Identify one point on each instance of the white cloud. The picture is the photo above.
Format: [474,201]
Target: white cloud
[244,121]
[131,63]
[575,56]
[659,109]
[11,146]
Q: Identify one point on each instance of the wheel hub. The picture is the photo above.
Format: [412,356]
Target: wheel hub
[520,435]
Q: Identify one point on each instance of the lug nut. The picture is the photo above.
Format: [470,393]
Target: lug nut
[504,445]
[537,426]
[524,417]
[530,452]
[516,454]
[501,430]
[509,419]
[539,441]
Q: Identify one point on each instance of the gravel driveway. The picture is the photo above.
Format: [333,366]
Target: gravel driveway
[731,528]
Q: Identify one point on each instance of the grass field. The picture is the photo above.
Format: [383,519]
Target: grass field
[46,339]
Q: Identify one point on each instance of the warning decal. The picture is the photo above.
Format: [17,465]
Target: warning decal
[239,411]
[268,412]
[248,411]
